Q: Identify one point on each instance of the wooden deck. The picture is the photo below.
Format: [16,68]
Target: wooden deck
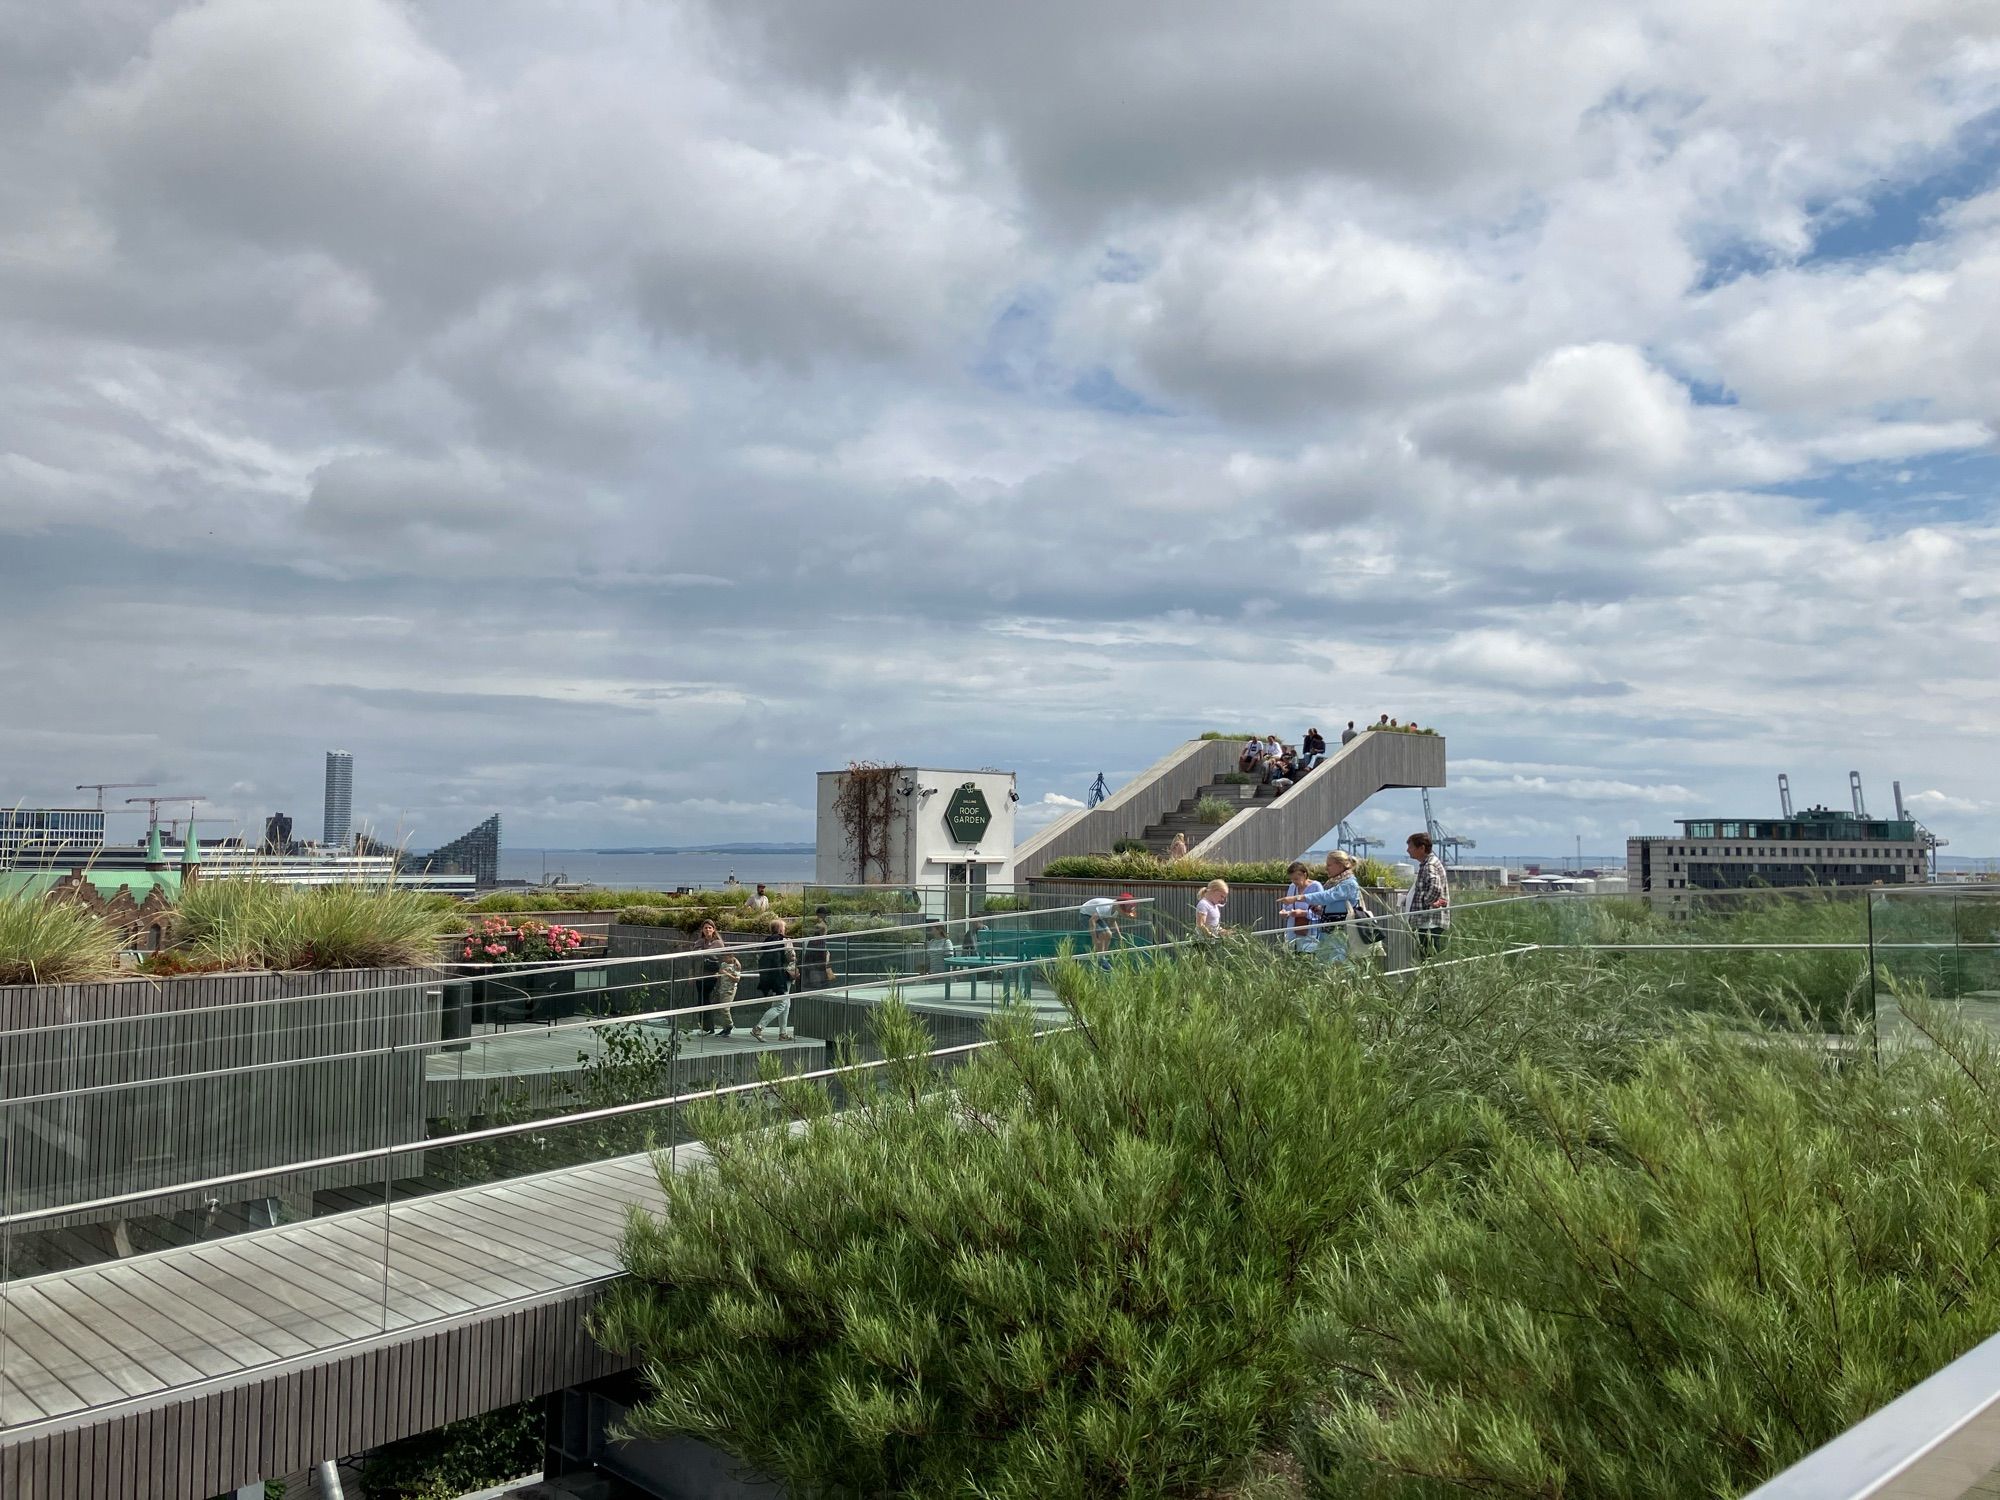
[216,1312]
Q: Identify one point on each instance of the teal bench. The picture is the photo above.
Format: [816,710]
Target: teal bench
[1029,947]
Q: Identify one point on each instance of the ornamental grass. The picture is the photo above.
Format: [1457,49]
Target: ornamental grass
[260,924]
[53,942]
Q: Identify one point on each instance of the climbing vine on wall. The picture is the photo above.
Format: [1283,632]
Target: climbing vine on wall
[866,807]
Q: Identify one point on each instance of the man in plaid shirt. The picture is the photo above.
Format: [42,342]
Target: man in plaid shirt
[1430,897]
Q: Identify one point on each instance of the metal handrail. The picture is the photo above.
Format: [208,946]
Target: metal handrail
[578,1024]
[496,1132]
[1937,1439]
[527,970]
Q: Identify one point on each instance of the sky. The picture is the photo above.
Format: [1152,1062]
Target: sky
[610,414]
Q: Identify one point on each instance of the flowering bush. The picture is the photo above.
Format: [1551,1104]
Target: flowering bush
[499,941]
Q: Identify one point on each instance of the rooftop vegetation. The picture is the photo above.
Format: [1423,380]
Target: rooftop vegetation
[1543,1226]
[1137,865]
[53,942]
[260,924]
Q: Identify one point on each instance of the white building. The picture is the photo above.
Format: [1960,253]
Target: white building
[1817,847]
[901,825]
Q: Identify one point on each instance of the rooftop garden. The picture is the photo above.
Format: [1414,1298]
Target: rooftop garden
[1136,864]
[216,925]
[1544,1226]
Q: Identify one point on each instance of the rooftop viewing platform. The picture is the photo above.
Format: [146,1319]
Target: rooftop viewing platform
[187,1314]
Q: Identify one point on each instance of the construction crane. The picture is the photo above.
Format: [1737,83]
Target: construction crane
[1854,791]
[1929,842]
[153,809]
[1448,844]
[1356,844]
[1785,795]
[101,787]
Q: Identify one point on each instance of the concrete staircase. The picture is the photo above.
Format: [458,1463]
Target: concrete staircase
[1241,799]
[1282,827]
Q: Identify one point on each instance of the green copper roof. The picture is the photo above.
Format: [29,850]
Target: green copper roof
[141,883]
[191,853]
[155,855]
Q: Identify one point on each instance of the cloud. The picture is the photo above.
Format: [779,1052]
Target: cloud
[1935,801]
[613,421]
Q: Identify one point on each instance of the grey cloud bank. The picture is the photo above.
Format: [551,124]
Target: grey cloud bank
[611,416]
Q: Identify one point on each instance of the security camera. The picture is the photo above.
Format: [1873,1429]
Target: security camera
[1012,795]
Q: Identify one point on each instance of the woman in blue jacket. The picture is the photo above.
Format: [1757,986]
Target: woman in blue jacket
[1333,904]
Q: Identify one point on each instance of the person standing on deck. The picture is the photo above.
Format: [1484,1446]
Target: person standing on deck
[1430,897]
[776,978]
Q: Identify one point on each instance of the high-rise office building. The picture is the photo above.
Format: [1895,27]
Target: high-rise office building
[337,826]
[32,837]
[278,834]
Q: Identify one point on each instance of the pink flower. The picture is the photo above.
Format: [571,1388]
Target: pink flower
[496,949]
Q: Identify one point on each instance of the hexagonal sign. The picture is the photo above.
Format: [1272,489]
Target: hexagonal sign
[966,816]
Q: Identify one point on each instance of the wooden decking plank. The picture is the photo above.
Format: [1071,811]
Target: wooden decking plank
[331,1323]
[162,1346]
[16,1405]
[534,1226]
[372,1250]
[509,1238]
[359,1282]
[155,1285]
[454,1258]
[270,1332]
[581,1199]
[84,1351]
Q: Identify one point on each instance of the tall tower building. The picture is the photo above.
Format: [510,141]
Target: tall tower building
[337,827]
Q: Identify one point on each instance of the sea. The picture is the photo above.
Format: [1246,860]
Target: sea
[655,872]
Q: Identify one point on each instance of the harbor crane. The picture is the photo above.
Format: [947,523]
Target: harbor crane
[1098,791]
[1785,795]
[1356,844]
[1854,791]
[1449,845]
[101,787]
[1929,842]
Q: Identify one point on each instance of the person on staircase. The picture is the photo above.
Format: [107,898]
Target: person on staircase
[1178,849]
[1312,750]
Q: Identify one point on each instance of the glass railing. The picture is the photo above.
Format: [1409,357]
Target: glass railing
[1934,951]
[115,1144]
[228,1158]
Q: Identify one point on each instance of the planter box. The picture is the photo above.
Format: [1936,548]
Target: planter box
[117,1087]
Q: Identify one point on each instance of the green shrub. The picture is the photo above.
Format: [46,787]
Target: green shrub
[461,1457]
[1075,1272]
[1130,846]
[1236,778]
[1214,811]
[53,942]
[1524,1228]
[1223,734]
[1669,1285]
[1371,873]
[258,924]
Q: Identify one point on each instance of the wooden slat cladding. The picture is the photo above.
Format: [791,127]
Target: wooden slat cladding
[277,1088]
[211,1443]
